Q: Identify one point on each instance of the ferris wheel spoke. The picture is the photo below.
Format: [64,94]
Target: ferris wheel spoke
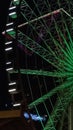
[43,73]
[29,43]
[65,85]
[57,113]
[38,49]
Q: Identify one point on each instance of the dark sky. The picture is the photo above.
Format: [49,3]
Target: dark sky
[4,97]
[3,77]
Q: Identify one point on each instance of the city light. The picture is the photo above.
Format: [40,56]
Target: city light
[12,7]
[7,43]
[9,24]
[8,49]
[8,69]
[13,13]
[12,90]
[16,104]
[7,63]
[15,0]
[8,30]
[12,83]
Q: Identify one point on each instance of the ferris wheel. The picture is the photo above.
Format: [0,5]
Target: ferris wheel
[39,60]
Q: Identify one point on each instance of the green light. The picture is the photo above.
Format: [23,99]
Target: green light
[11,32]
[16,2]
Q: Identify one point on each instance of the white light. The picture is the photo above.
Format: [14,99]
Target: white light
[9,24]
[12,7]
[8,30]
[8,69]
[12,90]
[12,13]
[13,83]
[7,63]
[8,49]
[15,0]
[7,43]
[16,104]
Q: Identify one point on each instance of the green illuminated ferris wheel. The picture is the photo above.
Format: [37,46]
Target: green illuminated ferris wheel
[39,60]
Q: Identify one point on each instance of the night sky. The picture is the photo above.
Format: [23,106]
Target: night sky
[4,98]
